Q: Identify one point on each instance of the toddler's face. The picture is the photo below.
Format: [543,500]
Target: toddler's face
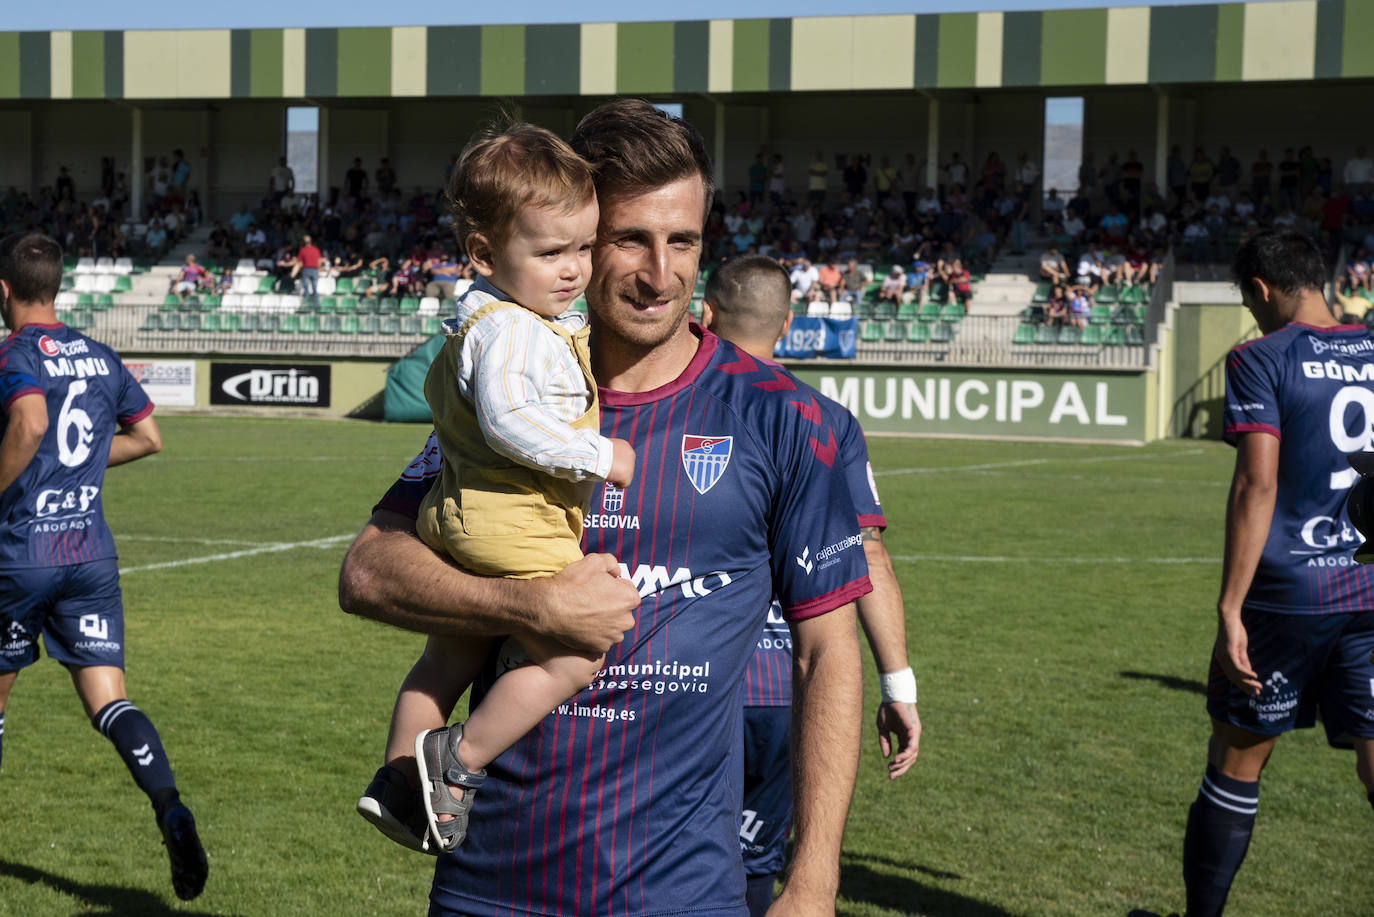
[546,261]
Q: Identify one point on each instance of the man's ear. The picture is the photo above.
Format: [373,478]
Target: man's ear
[786,324]
[479,253]
[708,315]
[1263,292]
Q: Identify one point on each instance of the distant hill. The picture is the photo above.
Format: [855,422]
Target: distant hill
[1063,155]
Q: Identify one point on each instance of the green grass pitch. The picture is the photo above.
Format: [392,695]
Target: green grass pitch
[1059,617]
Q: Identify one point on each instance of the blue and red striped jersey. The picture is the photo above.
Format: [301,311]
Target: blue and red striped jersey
[626,799]
[52,515]
[1313,389]
[768,677]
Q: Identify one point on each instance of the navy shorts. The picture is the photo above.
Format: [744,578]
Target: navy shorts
[1307,664]
[767,817]
[78,609]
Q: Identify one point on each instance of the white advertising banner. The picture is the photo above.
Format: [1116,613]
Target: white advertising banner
[167,382]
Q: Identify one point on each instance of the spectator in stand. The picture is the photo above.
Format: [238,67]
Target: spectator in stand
[1113,226]
[1053,207]
[385,177]
[804,276]
[911,181]
[1074,227]
[162,181]
[1197,240]
[1244,210]
[758,179]
[355,182]
[156,239]
[181,176]
[309,258]
[255,242]
[854,282]
[855,177]
[1218,200]
[884,180]
[217,247]
[894,284]
[959,285]
[1290,175]
[1110,178]
[1261,177]
[1091,269]
[1087,174]
[1200,174]
[777,180]
[817,180]
[1027,172]
[1357,272]
[1053,267]
[956,173]
[65,187]
[242,219]
[1358,174]
[285,267]
[829,279]
[1132,176]
[1177,175]
[917,280]
[1080,305]
[1057,308]
[282,179]
[444,272]
[188,278]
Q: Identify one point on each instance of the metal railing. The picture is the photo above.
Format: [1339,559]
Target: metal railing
[991,340]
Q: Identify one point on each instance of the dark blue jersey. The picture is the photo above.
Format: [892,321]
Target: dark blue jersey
[768,678]
[626,799]
[1313,389]
[52,515]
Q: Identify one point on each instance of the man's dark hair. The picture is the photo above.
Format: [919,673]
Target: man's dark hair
[31,263]
[634,147]
[749,296]
[1286,261]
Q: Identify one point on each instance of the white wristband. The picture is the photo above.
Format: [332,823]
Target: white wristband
[898,687]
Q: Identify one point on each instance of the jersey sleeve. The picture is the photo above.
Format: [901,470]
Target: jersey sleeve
[134,404]
[18,376]
[858,471]
[1252,393]
[817,551]
[404,496]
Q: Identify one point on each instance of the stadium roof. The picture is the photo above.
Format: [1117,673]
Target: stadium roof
[1206,43]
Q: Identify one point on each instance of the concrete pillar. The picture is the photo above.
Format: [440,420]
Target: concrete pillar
[207,166]
[718,151]
[1162,143]
[136,165]
[322,152]
[932,142]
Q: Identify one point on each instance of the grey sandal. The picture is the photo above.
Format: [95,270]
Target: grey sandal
[436,756]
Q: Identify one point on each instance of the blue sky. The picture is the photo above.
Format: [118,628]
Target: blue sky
[242,14]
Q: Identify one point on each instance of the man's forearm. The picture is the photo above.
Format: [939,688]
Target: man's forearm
[17,449]
[882,612]
[827,706]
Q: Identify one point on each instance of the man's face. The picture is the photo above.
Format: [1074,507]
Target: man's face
[644,264]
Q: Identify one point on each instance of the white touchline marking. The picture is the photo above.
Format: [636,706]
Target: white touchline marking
[975,559]
[170,539]
[261,549]
[1023,463]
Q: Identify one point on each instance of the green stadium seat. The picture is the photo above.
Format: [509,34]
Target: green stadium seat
[411,324]
[580,305]
[409,305]
[1025,334]
[929,312]
[388,306]
[348,305]
[211,322]
[269,324]
[1140,315]
[1115,336]
[190,321]
[433,325]
[85,321]
[1135,335]
[391,324]
[799,307]
[266,284]
[937,291]
[370,324]
[330,323]
[151,322]
[310,323]
[210,303]
[942,333]
[694,309]
[329,305]
[290,323]
[67,318]
[871,332]
[918,333]
[350,324]
[343,286]
[1034,315]
[367,306]
[871,291]
[863,311]
[1123,315]
[1133,295]
[123,284]
[1070,334]
[952,313]
[1100,315]
[884,312]
[68,263]
[68,283]
[170,303]
[249,323]
[894,332]
[1092,336]
[230,321]
[85,301]
[1047,334]
[104,302]
[1042,292]
[1107,294]
[908,311]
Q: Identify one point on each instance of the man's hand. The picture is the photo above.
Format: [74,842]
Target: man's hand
[899,723]
[1232,654]
[588,606]
[797,905]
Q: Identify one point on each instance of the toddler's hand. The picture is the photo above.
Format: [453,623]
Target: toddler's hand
[622,464]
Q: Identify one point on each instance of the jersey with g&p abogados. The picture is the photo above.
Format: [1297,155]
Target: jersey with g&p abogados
[626,799]
[52,514]
[1313,389]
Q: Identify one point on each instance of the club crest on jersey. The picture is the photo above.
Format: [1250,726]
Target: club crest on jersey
[48,346]
[612,499]
[705,459]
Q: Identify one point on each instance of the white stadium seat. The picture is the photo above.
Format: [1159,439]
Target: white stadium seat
[85,266]
[251,302]
[231,300]
[818,309]
[841,310]
[289,303]
[269,302]
[105,283]
[124,265]
[66,299]
[245,268]
[85,283]
[429,306]
[245,283]
[326,286]
[104,266]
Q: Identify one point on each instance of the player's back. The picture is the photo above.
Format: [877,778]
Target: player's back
[52,514]
[1313,389]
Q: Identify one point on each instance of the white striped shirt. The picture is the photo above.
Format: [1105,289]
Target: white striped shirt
[527,388]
